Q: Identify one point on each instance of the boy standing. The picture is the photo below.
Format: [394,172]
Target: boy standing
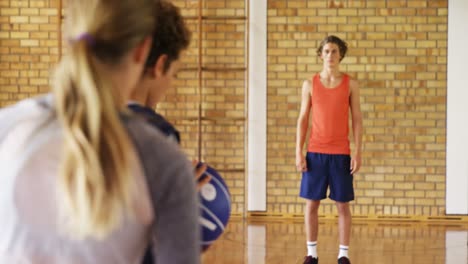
[329,96]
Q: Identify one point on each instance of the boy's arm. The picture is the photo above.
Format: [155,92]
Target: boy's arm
[356,116]
[302,123]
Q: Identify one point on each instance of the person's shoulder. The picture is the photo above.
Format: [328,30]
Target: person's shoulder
[309,82]
[313,78]
[27,110]
[350,77]
[353,82]
[146,111]
[160,158]
[141,109]
[156,120]
[306,87]
[141,128]
[150,142]
[38,102]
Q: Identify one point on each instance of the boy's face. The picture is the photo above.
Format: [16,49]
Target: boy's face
[330,54]
[162,81]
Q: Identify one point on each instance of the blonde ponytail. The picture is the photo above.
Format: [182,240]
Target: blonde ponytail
[94,181]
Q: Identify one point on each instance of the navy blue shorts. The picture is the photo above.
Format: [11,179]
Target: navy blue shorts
[325,170]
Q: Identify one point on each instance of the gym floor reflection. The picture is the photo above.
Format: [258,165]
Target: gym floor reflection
[283,242]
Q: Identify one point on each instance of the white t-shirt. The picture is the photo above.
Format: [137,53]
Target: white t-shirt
[30,152]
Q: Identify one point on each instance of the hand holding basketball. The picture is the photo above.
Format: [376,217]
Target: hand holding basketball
[199,171]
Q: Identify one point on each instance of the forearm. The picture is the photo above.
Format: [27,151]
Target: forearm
[357,133]
[301,132]
[177,221]
[170,181]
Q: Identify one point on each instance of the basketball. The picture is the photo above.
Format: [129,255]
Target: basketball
[215,206]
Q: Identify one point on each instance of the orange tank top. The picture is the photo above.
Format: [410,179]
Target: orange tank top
[330,115]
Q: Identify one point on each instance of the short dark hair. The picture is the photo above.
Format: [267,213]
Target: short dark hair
[342,45]
[171,35]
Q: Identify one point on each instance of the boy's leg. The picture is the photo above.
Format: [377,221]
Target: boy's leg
[314,186]
[311,227]
[342,191]
[311,219]
[344,223]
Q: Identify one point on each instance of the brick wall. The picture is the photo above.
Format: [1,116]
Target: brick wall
[222,55]
[28,47]
[398,53]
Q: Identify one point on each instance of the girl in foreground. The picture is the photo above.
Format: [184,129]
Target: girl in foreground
[82,180]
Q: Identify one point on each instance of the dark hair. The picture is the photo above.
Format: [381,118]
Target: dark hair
[171,35]
[342,45]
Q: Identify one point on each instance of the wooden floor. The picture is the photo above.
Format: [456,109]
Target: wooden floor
[283,242]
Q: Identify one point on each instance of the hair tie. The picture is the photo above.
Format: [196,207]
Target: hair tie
[84,36]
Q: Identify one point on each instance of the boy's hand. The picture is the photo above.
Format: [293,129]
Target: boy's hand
[199,173]
[355,163]
[301,164]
